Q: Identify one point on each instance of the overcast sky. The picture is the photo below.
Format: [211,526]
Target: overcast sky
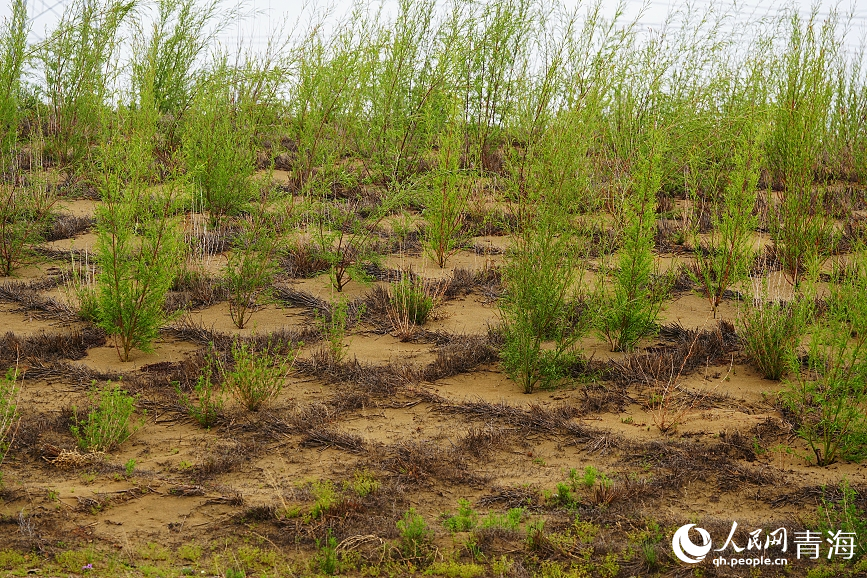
[267,14]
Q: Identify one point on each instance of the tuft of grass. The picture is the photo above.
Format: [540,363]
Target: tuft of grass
[206,400]
[771,330]
[411,301]
[415,535]
[109,423]
[464,520]
[257,373]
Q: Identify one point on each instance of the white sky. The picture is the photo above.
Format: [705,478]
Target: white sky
[268,14]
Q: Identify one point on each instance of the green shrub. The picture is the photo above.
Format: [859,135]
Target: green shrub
[415,535]
[630,309]
[139,251]
[206,400]
[771,330]
[829,398]
[344,238]
[446,196]
[250,265]
[78,61]
[411,302]
[844,515]
[180,33]
[107,425]
[257,375]
[25,214]
[802,232]
[333,325]
[465,520]
[540,276]
[13,56]
[724,257]
[363,484]
[218,148]
[139,240]
[325,497]
[325,559]
[508,521]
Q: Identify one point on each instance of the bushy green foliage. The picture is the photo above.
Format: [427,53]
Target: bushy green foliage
[363,483]
[139,241]
[464,520]
[108,423]
[326,556]
[218,148]
[25,214]
[802,232]
[630,308]
[257,373]
[452,569]
[508,521]
[333,325]
[250,265]
[771,330]
[412,299]
[844,515]
[13,55]
[724,256]
[539,278]
[180,33]
[344,236]
[78,61]
[415,535]
[139,250]
[446,196]
[829,398]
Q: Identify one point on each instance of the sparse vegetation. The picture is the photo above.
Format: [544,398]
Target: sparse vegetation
[257,374]
[108,423]
[639,218]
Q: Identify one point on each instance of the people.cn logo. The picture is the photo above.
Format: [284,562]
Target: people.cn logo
[685,550]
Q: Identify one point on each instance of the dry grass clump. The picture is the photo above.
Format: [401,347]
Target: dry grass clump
[68,226]
[691,350]
[465,281]
[222,458]
[194,288]
[460,355]
[283,339]
[418,462]
[537,417]
[320,436]
[45,347]
[682,463]
[304,260]
[28,295]
[481,442]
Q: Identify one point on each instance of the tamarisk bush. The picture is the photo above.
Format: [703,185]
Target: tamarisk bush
[139,243]
[802,232]
[250,265]
[78,63]
[829,398]
[218,147]
[13,55]
[629,310]
[724,257]
[446,199]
